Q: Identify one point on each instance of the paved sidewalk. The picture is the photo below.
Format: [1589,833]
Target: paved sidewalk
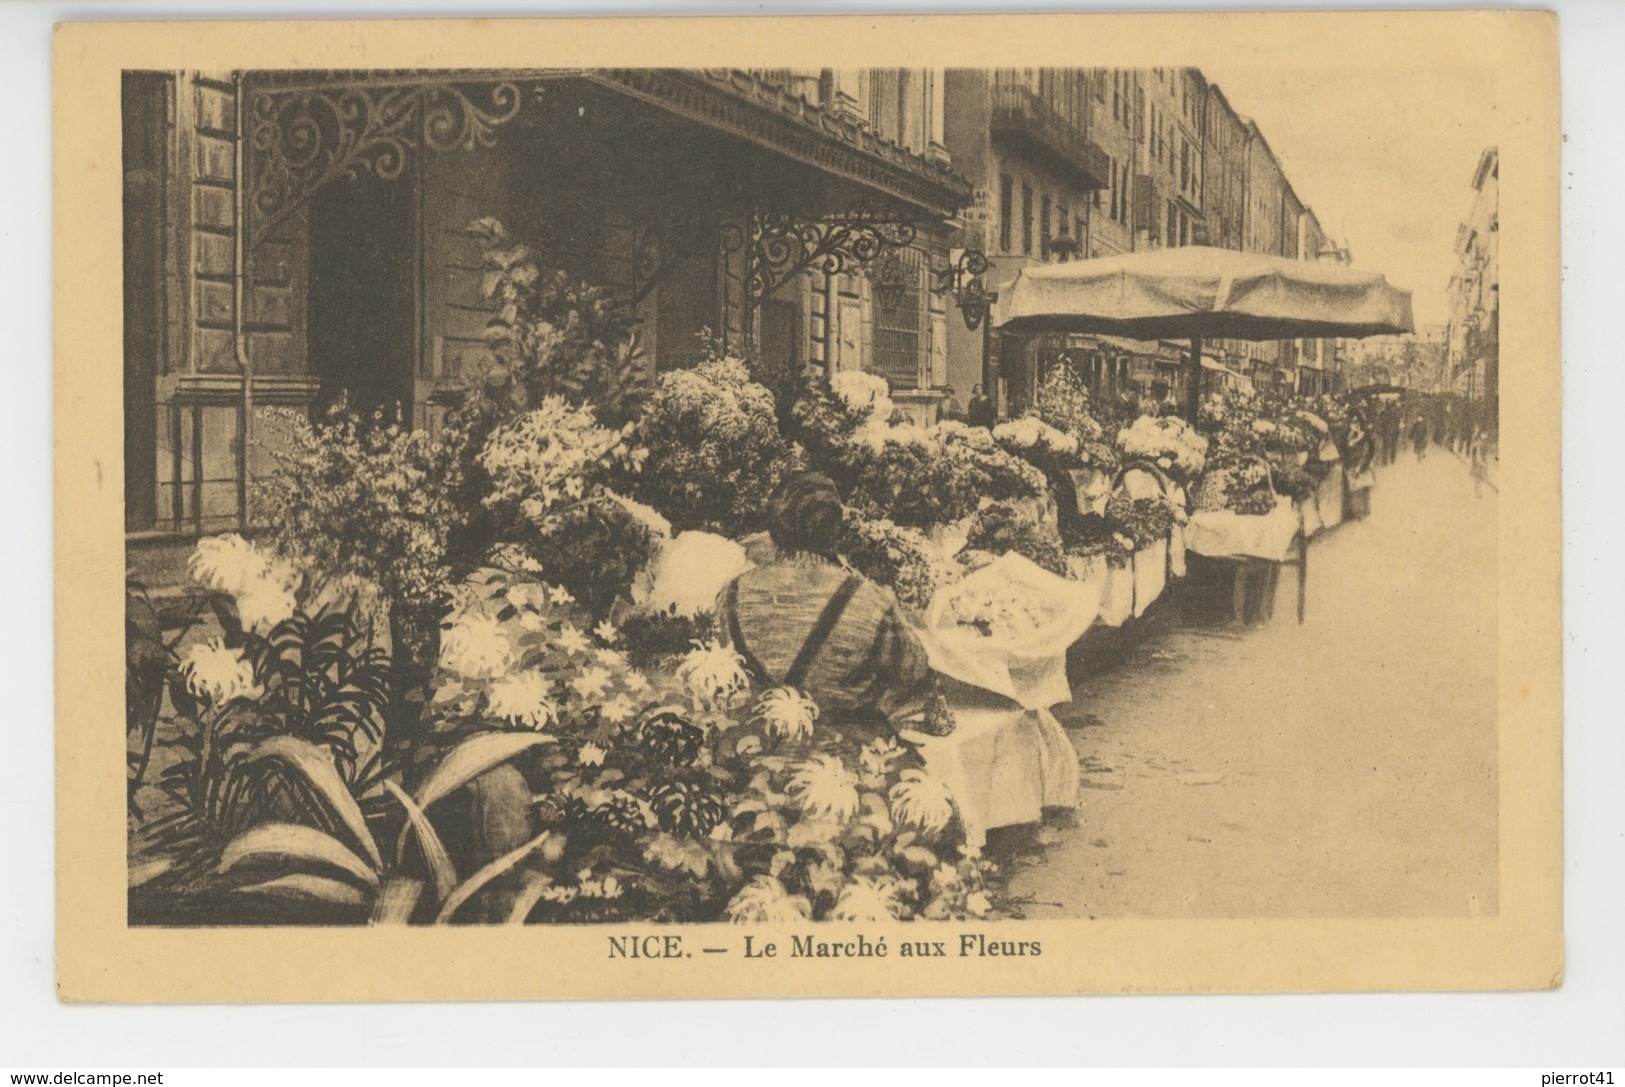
[1343,768]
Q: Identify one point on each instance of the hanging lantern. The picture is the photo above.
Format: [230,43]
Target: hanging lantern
[888,278]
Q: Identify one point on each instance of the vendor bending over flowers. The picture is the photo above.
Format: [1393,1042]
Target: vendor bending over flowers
[806,621]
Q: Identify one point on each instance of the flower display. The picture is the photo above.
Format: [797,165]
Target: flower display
[993,609]
[863,393]
[1000,527]
[550,456]
[475,646]
[362,498]
[1168,442]
[902,559]
[825,789]
[1030,432]
[219,674]
[786,712]
[714,449]
[922,801]
[533,565]
[523,698]
[261,584]
[713,674]
[868,898]
[765,901]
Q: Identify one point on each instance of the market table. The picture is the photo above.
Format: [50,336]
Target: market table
[1255,543]
[1008,757]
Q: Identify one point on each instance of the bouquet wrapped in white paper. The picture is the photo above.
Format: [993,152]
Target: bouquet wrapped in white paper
[1006,629]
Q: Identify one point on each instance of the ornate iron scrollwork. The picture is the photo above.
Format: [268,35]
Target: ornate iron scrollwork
[302,139]
[889,278]
[963,279]
[782,246]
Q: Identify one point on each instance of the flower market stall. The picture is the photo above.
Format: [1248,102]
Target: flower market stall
[1199,291]
[1001,635]
[561,662]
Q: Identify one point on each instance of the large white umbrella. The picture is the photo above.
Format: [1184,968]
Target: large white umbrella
[1198,291]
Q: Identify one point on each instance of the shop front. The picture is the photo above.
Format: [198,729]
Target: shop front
[773,212]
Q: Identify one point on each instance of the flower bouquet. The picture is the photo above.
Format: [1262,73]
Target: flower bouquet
[1172,444]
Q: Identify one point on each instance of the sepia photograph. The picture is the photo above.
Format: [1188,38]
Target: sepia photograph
[726,513]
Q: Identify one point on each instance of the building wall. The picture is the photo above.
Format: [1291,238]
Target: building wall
[1028,210]
[1111,126]
[186,395]
[1475,296]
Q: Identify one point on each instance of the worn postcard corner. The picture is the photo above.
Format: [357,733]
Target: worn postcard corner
[658,526]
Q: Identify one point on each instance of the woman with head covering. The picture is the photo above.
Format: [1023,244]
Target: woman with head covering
[808,622]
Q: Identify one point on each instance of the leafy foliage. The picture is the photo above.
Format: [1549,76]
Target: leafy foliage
[550,334]
[1000,528]
[367,499]
[715,451]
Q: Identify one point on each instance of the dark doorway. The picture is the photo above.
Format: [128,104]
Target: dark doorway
[362,305]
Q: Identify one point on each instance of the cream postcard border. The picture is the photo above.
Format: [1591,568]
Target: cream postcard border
[99,958]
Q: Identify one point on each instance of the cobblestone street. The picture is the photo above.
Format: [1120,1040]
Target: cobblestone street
[1346,767]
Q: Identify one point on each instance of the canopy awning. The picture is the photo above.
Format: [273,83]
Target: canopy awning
[1202,291]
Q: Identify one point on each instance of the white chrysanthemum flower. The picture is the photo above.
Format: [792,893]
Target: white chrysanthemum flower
[591,755]
[977,903]
[765,901]
[613,659]
[261,584]
[524,698]
[1029,431]
[713,674]
[265,605]
[606,632]
[868,898]
[690,571]
[476,647]
[945,877]
[825,789]
[859,389]
[922,801]
[528,594]
[218,674]
[560,596]
[572,640]
[617,709]
[635,681]
[226,563]
[786,712]
[590,682]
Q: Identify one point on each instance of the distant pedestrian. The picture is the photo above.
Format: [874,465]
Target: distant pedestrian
[951,408]
[1388,433]
[1478,458]
[1419,437]
[981,411]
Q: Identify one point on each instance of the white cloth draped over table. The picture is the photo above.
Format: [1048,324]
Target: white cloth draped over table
[1225,534]
[1008,758]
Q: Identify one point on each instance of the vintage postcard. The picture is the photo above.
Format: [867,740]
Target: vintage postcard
[807,506]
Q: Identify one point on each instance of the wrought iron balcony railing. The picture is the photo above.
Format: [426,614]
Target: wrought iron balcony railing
[1023,119]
